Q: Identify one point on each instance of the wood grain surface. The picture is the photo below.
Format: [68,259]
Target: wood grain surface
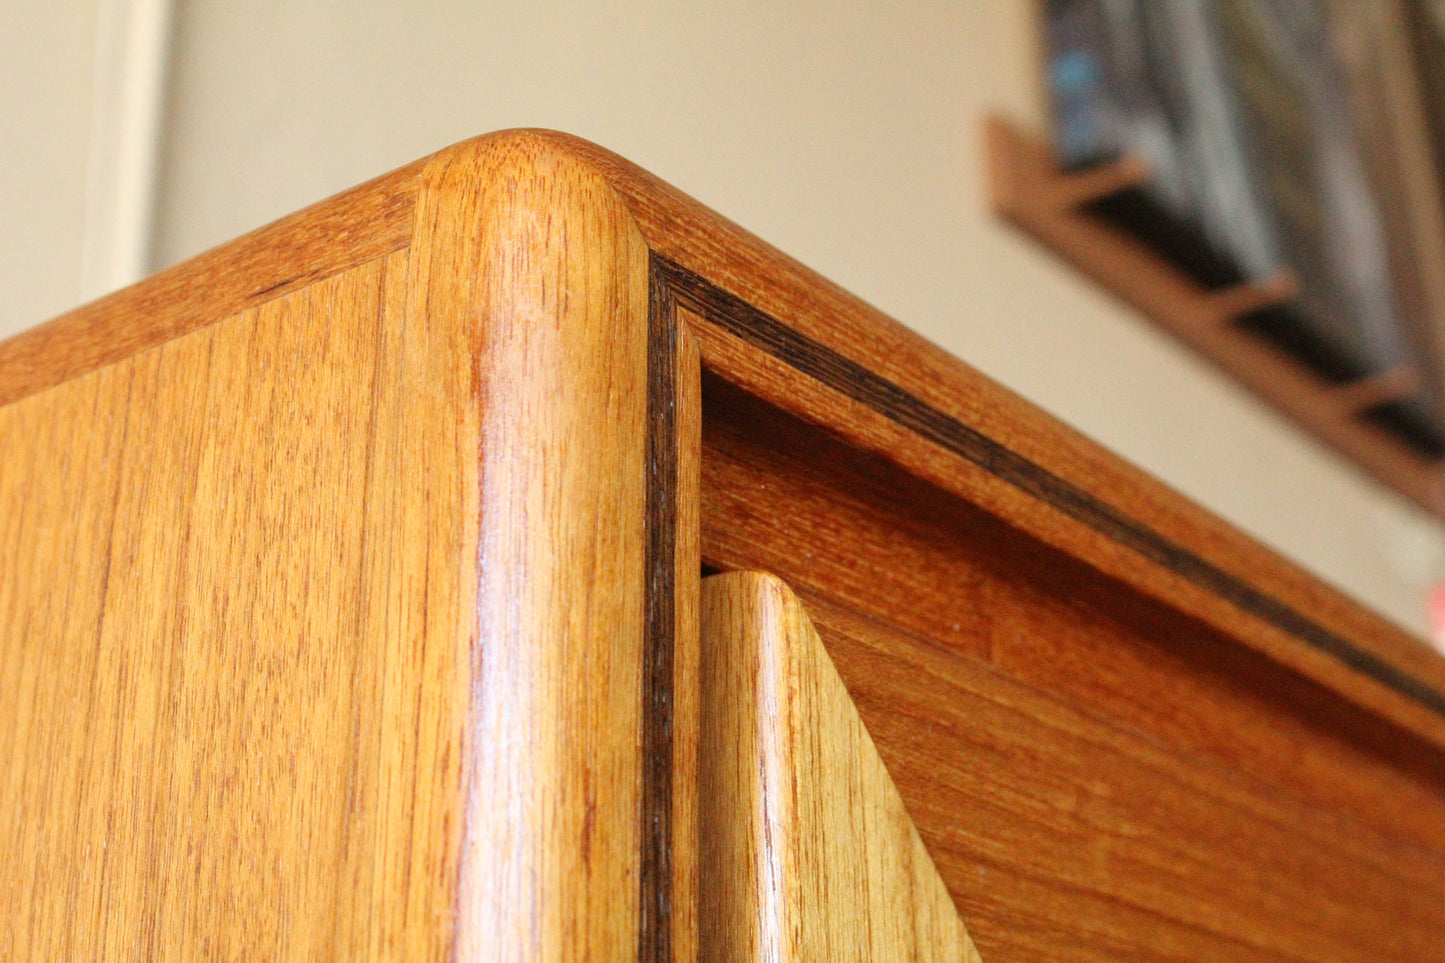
[1297,624]
[320,639]
[808,851]
[736,267]
[209,708]
[1126,782]
[731,260]
[349,599]
[529,279]
[1066,836]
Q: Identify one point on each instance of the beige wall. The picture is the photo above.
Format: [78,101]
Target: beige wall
[47,55]
[845,133]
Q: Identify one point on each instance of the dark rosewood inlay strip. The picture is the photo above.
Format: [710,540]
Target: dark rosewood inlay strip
[655,933]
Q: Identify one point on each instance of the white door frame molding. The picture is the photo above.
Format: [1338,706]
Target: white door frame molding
[132,68]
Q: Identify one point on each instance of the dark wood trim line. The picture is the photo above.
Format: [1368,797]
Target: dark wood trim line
[655,923]
[849,378]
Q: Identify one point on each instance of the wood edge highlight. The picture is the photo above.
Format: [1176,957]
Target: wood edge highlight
[777,716]
[532,279]
[341,232]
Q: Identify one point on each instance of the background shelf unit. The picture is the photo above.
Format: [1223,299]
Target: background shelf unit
[1028,189]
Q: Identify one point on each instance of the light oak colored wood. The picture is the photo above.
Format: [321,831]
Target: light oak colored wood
[809,853]
[1024,181]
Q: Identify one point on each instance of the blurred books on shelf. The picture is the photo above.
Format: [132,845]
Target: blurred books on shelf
[1137,78]
[1280,135]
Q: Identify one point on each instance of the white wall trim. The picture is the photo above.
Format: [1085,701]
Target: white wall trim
[132,66]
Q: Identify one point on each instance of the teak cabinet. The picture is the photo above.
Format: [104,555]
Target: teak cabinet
[352,607]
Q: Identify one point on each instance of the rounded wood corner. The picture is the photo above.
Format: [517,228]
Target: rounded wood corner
[543,179]
[762,586]
[519,235]
[528,293]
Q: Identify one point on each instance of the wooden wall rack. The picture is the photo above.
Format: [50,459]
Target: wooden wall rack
[1028,189]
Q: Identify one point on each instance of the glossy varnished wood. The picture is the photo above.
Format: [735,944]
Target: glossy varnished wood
[1101,844]
[738,280]
[468,689]
[209,707]
[1274,610]
[302,604]
[730,260]
[1123,777]
[530,279]
[808,851]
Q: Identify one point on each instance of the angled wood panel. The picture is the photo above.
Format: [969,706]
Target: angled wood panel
[1097,777]
[808,852]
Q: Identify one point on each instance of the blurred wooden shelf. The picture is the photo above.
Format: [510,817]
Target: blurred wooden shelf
[1029,190]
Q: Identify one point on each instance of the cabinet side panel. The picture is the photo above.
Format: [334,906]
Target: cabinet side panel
[224,732]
